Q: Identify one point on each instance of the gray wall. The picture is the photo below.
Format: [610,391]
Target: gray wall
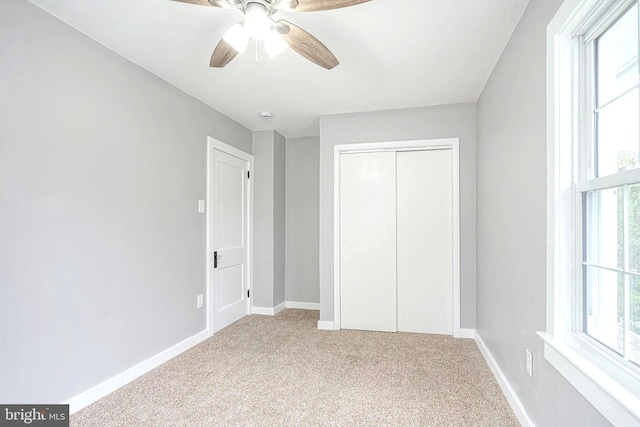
[458,120]
[511,225]
[279,200]
[302,270]
[263,219]
[269,219]
[102,251]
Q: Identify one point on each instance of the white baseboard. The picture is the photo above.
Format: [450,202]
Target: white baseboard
[272,311]
[268,311]
[511,395]
[465,333]
[325,325]
[278,308]
[265,311]
[303,305]
[97,392]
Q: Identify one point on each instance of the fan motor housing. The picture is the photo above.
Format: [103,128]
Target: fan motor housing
[247,4]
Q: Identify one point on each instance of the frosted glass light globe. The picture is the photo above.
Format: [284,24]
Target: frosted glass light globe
[257,21]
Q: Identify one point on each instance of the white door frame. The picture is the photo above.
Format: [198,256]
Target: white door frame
[425,144]
[214,144]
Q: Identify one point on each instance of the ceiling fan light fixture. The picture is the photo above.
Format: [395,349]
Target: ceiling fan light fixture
[257,21]
[274,44]
[238,37]
[259,24]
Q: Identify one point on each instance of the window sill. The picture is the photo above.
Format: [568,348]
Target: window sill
[609,388]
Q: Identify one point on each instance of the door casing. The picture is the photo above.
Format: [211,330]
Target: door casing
[426,144]
[212,145]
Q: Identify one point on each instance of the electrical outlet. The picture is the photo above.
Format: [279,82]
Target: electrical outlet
[200,206]
[529,365]
[200,301]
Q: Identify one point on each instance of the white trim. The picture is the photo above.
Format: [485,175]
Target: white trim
[336,245]
[426,144]
[606,383]
[99,391]
[465,333]
[278,308]
[303,305]
[268,311]
[272,311]
[509,392]
[324,325]
[215,144]
[609,395]
[455,145]
[263,311]
[560,174]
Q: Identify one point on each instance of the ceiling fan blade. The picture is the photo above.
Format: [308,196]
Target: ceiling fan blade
[222,55]
[308,46]
[314,5]
[216,3]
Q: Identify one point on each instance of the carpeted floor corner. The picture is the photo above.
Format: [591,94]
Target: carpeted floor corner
[283,371]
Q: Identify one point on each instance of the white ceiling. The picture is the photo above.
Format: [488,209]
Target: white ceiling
[393,54]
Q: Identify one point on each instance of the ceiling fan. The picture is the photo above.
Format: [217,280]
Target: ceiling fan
[259,24]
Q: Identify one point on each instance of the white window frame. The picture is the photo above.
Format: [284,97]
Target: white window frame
[609,384]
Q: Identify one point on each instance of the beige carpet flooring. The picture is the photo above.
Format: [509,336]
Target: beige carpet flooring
[282,371]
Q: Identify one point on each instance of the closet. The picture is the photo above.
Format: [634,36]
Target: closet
[396,234]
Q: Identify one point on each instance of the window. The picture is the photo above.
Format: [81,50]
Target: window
[593,280]
[609,146]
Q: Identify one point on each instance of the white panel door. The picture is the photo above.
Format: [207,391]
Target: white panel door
[424,241]
[368,241]
[230,239]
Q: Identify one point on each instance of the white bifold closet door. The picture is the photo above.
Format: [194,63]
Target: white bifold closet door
[424,236]
[396,233]
[368,241]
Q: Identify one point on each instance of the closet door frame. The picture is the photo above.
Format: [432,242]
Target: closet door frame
[426,144]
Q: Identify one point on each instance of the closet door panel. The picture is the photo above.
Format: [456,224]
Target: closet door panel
[424,241]
[368,241]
